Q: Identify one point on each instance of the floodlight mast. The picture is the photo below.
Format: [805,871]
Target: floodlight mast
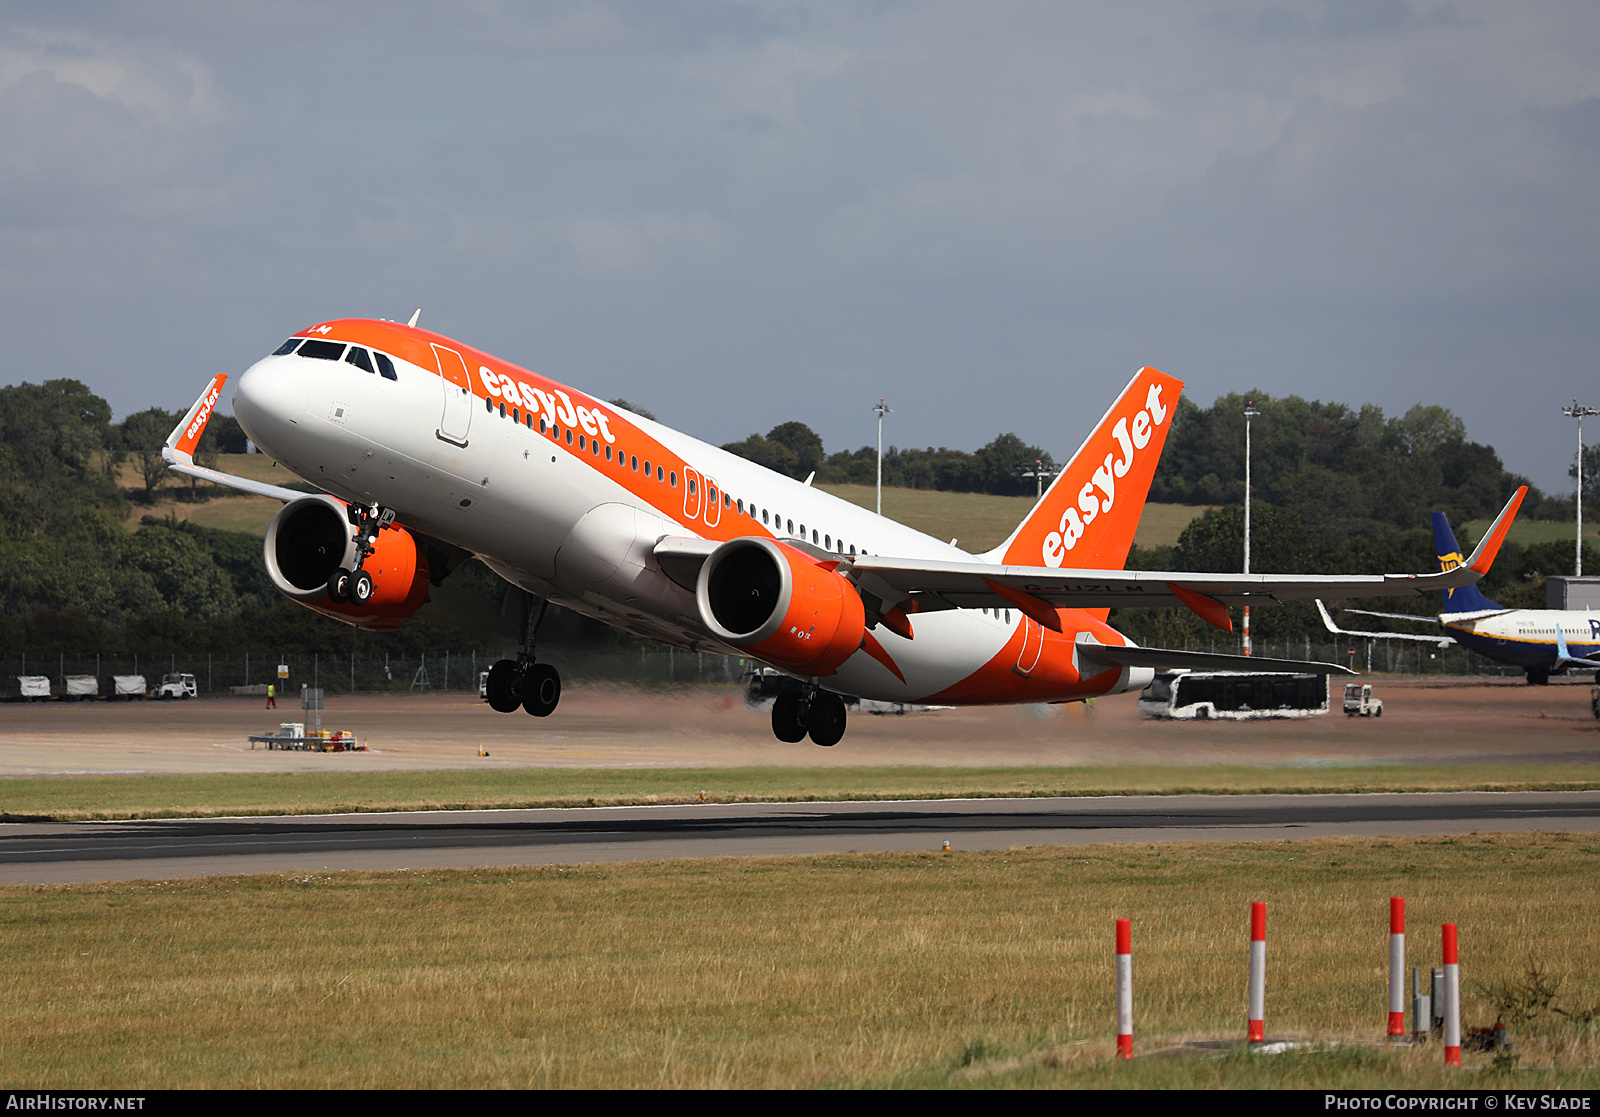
[1577,411]
[1250,412]
[881,411]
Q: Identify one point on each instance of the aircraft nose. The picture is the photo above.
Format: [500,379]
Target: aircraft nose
[270,400]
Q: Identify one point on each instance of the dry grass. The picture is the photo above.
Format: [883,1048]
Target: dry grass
[979,521]
[227,509]
[881,969]
[209,795]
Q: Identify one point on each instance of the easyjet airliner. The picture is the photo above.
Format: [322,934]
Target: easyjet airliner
[429,452]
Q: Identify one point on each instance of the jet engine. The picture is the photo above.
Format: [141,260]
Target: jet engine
[312,537]
[780,605]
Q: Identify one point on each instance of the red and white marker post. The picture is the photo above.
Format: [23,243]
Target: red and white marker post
[1124,989]
[1256,1024]
[1452,999]
[1397,967]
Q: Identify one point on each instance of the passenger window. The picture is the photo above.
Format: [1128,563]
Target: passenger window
[827,541]
[286,348]
[763,515]
[791,527]
[813,535]
[691,486]
[385,366]
[608,453]
[658,473]
[323,350]
[672,478]
[488,405]
[582,445]
[636,463]
[358,357]
[516,416]
[569,436]
[594,447]
[647,469]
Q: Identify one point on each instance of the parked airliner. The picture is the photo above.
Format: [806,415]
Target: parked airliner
[429,452]
[1543,642]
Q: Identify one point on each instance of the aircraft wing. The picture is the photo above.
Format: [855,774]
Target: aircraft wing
[921,585]
[178,452]
[1440,641]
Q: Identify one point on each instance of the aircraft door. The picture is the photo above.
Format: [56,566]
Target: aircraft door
[457,415]
[693,494]
[1032,646]
[713,502]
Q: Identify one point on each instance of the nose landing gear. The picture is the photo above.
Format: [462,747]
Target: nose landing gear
[536,687]
[355,585]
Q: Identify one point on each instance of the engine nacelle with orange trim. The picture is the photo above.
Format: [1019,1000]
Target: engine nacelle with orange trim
[780,605]
[312,537]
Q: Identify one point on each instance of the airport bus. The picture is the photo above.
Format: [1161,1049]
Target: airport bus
[1200,695]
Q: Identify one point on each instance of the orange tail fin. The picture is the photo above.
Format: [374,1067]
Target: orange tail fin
[1088,517]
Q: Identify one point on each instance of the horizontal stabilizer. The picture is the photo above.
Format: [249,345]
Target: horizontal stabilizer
[1166,659]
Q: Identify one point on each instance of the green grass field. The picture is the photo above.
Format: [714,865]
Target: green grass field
[66,798]
[892,970]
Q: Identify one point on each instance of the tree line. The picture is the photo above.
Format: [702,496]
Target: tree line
[1336,489]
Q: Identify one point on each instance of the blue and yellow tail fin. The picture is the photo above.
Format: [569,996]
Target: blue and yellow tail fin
[1464,599]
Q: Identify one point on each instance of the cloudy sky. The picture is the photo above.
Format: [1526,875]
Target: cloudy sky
[741,213]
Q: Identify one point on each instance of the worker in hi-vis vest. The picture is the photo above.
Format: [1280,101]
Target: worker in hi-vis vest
[272,697]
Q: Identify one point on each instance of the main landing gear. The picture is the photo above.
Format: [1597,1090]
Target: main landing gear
[1538,676]
[355,585]
[814,711]
[536,687]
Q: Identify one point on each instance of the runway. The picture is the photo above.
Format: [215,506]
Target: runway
[41,853]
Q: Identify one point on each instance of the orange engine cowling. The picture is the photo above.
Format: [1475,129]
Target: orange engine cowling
[311,537]
[780,605]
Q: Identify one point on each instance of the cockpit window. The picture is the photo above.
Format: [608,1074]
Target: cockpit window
[286,348]
[322,350]
[358,357]
[385,366]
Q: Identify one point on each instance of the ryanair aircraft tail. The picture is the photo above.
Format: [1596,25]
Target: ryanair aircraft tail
[1464,599]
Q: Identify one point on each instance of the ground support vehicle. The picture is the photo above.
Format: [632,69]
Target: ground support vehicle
[1234,695]
[1358,701]
[178,685]
[126,686]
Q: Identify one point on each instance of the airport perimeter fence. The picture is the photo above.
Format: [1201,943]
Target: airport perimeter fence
[445,671]
[456,671]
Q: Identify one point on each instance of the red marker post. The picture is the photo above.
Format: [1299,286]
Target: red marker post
[1452,999]
[1124,989]
[1257,1032]
[1397,967]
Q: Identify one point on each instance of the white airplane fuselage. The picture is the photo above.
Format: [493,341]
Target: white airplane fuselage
[567,497]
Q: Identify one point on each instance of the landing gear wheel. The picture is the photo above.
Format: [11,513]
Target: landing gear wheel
[339,586]
[501,687]
[788,722]
[1538,677]
[542,690]
[360,588]
[826,723]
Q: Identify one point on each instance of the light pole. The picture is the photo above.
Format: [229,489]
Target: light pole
[1577,412]
[1250,412]
[881,411]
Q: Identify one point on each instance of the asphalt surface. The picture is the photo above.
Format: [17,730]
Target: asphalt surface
[37,853]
